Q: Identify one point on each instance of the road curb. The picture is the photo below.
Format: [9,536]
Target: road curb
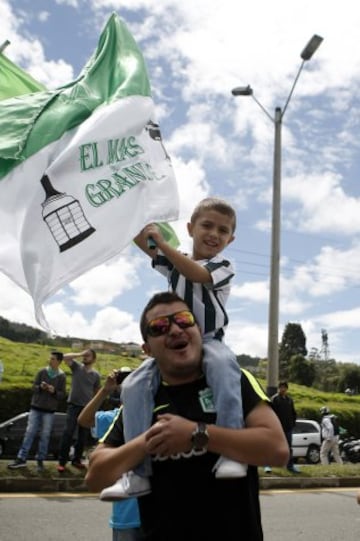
[78,484]
[268,483]
[42,485]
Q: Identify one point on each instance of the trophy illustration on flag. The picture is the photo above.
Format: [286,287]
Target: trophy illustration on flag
[64,217]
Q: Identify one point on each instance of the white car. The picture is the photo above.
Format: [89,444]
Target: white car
[306,440]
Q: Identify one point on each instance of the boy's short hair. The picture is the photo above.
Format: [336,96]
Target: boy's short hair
[217,204]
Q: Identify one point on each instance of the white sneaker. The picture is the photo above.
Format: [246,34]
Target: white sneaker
[226,468]
[130,485]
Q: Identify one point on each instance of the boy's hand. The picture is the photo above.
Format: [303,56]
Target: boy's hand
[149,239]
[152,231]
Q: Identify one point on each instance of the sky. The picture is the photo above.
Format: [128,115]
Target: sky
[196,53]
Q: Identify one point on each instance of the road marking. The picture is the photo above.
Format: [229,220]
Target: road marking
[308,490]
[91,495]
[14,495]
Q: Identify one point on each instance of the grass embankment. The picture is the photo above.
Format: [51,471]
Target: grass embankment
[22,362]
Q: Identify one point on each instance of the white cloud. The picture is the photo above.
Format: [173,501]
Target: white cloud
[342,318]
[252,291]
[320,195]
[101,285]
[247,337]
[43,16]
[28,52]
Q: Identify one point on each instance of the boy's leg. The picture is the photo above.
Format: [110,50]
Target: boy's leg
[137,397]
[223,375]
[137,389]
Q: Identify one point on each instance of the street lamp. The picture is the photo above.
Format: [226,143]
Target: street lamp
[273,339]
[4,45]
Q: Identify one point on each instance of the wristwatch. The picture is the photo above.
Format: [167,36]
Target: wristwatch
[200,437]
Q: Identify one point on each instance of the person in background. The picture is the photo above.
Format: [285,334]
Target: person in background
[202,279]
[125,520]
[49,389]
[284,408]
[184,441]
[330,437]
[84,385]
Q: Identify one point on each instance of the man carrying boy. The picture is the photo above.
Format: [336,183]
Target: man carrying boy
[202,280]
[184,442]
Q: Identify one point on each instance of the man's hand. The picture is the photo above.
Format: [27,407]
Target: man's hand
[170,435]
[47,387]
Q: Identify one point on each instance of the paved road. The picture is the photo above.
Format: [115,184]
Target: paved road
[307,515]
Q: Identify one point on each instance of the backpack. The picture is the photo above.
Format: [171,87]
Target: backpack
[335,422]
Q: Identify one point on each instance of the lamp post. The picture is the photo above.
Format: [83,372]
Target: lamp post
[4,45]
[273,322]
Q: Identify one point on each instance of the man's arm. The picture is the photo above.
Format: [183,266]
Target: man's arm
[87,414]
[69,357]
[59,390]
[261,442]
[107,463]
[36,386]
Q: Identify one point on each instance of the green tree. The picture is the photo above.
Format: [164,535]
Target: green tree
[314,355]
[349,377]
[293,342]
[301,370]
[327,375]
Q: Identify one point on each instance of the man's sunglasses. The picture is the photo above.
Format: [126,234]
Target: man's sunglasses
[161,325]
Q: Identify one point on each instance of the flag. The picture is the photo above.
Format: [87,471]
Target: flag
[14,81]
[82,170]
[169,234]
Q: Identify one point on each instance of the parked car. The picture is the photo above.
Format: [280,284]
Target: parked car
[306,440]
[13,430]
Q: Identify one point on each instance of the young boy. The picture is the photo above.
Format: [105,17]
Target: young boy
[125,519]
[203,281]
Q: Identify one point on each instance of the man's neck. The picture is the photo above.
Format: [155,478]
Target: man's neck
[87,367]
[170,379]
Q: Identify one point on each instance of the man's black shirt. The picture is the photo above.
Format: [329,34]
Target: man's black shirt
[187,502]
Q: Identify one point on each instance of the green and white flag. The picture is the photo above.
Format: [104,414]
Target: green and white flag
[14,81]
[82,170]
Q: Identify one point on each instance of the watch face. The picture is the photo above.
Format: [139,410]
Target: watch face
[200,437]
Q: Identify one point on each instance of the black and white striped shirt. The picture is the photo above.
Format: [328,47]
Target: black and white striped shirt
[206,301]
